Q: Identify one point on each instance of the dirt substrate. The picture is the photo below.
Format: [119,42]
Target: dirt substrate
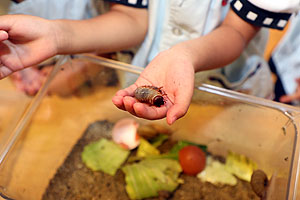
[74,180]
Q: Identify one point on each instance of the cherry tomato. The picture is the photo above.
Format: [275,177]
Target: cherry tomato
[192,160]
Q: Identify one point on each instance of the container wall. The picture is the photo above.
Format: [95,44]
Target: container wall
[262,132]
[12,105]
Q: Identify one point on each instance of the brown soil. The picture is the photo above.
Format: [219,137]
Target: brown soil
[74,180]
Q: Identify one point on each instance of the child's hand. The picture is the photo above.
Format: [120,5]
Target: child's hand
[25,41]
[170,70]
[292,97]
[28,80]
[73,75]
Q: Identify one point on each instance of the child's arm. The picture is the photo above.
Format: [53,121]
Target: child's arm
[122,27]
[28,40]
[221,46]
[174,69]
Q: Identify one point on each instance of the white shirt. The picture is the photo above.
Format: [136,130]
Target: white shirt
[55,9]
[187,19]
[286,56]
[280,6]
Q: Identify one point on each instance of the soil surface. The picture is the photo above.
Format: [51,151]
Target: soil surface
[74,180]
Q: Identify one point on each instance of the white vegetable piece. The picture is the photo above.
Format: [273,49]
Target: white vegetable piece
[125,133]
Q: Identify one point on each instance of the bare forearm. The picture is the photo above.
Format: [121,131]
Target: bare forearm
[109,32]
[209,53]
[221,46]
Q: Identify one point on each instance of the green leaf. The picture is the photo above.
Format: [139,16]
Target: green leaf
[173,153]
[148,177]
[104,155]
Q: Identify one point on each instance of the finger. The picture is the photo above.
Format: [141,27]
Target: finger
[16,76]
[3,35]
[118,101]
[4,71]
[35,86]
[127,91]
[175,112]
[128,104]
[31,90]
[150,112]
[180,107]
[289,98]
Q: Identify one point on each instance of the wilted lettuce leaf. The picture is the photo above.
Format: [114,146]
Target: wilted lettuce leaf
[215,172]
[104,155]
[236,165]
[146,149]
[148,177]
[240,165]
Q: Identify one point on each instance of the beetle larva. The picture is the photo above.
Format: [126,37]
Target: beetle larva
[259,183]
[150,94]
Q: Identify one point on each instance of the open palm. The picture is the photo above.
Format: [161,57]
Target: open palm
[176,77]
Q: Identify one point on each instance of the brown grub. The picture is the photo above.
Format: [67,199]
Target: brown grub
[150,94]
[259,183]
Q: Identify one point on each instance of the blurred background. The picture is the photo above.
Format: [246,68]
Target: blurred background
[275,35]
[3,6]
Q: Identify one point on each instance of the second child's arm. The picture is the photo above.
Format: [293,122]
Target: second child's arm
[122,27]
[28,40]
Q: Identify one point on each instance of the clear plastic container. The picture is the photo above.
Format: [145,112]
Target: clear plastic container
[13,105]
[265,131]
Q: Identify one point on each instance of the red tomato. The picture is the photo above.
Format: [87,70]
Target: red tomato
[192,160]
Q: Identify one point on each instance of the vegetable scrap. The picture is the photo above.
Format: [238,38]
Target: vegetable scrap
[236,165]
[215,172]
[192,160]
[75,179]
[146,149]
[149,172]
[148,177]
[125,133]
[240,166]
[104,155]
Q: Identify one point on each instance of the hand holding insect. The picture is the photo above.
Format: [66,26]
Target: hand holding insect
[171,76]
[150,94]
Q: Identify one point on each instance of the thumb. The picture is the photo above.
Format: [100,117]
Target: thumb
[180,107]
[175,112]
